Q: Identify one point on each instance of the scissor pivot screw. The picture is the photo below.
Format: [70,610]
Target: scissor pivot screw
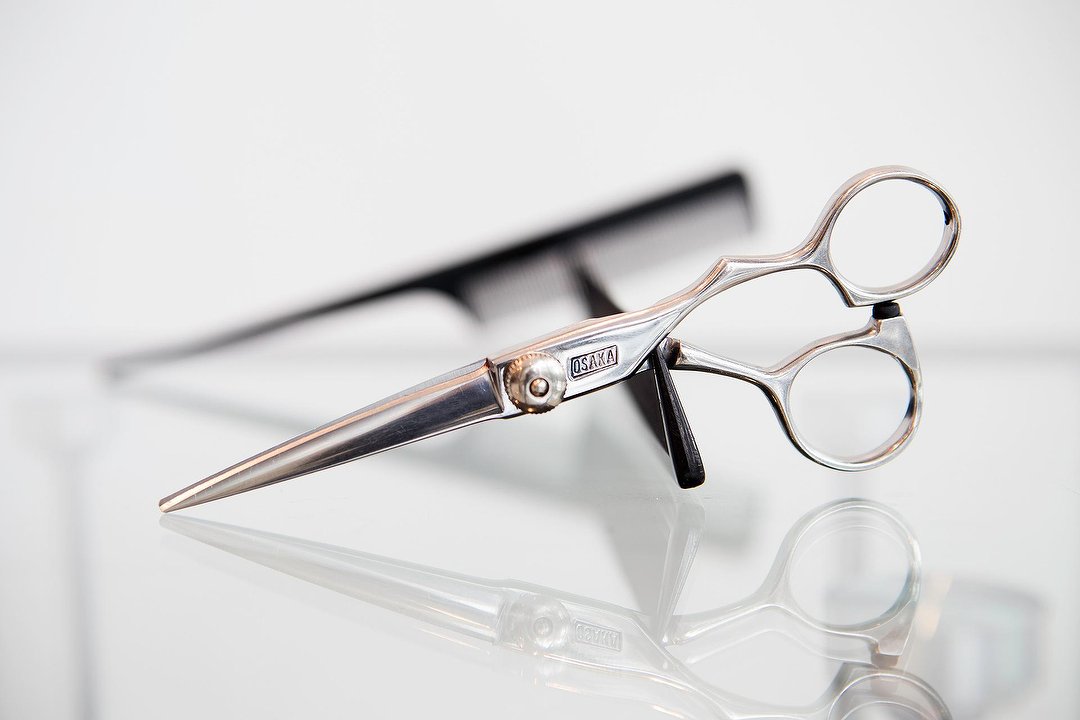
[535,382]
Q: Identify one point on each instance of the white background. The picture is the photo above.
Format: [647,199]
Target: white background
[167,168]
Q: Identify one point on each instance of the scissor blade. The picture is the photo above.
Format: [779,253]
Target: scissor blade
[460,603]
[462,397]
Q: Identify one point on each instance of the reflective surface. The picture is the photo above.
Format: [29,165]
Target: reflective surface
[595,647]
[466,577]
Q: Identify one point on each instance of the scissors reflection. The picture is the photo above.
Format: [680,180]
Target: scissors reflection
[600,648]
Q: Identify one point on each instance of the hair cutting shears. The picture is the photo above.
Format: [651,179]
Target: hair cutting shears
[599,648]
[579,359]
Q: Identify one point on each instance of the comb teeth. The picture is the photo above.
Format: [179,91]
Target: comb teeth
[702,222]
[513,288]
[609,251]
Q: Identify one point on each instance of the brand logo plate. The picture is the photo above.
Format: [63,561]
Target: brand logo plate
[594,361]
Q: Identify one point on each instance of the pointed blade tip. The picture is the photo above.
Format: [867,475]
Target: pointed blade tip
[177,501]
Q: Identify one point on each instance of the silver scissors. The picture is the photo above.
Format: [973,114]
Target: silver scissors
[599,648]
[579,359]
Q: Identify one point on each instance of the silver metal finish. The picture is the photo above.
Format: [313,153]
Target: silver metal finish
[535,382]
[449,402]
[600,352]
[636,333]
[890,336]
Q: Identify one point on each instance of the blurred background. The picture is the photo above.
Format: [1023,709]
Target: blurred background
[171,170]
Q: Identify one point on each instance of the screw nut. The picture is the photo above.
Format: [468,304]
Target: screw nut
[535,382]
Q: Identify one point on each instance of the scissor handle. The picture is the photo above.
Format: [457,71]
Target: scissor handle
[887,332]
[816,250]
[885,634]
[858,686]
[863,515]
[889,335]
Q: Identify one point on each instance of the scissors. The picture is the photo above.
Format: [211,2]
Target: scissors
[595,647]
[574,361]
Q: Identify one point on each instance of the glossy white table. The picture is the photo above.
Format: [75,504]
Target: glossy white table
[107,612]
